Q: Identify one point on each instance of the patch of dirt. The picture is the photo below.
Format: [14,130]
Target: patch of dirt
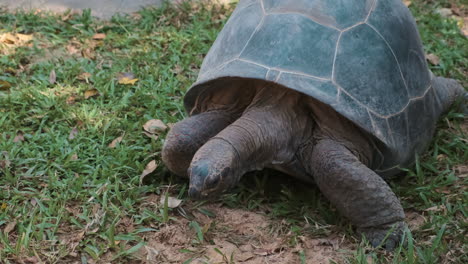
[414,219]
[239,236]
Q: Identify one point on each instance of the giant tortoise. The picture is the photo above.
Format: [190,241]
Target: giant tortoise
[334,92]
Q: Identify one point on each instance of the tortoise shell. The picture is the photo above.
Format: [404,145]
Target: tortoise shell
[364,58]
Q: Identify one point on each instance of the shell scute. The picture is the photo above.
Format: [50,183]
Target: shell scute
[365,67]
[396,25]
[237,32]
[297,48]
[332,13]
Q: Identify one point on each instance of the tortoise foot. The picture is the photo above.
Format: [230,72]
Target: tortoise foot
[386,236]
[188,135]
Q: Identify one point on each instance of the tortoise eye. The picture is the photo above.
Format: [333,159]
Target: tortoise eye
[212,182]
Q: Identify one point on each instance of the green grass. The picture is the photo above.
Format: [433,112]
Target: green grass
[53,185]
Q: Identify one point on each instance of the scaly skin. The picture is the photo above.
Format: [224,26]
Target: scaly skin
[188,136]
[278,128]
[358,192]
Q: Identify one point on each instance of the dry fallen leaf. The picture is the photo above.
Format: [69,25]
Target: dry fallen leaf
[127,81]
[71,100]
[9,227]
[72,49]
[461,171]
[154,126]
[88,53]
[73,133]
[126,78]
[84,76]
[19,137]
[4,85]
[15,39]
[8,38]
[150,168]
[407,2]
[445,12]
[4,164]
[436,208]
[52,77]
[433,59]
[91,93]
[74,157]
[171,201]
[116,141]
[414,220]
[24,37]
[152,254]
[99,36]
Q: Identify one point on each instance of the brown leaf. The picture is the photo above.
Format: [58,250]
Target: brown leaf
[99,36]
[71,100]
[8,38]
[24,37]
[116,141]
[84,76]
[73,133]
[72,49]
[127,81]
[152,254]
[9,227]
[91,93]
[150,168]
[436,208]
[445,12]
[74,157]
[52,77]
[154,126]
[414,219]
[4,164]
[461,171]
[433,59]
[4,85]
[66,17]
[88,53]
[407,2]
[19,137]
[126,78]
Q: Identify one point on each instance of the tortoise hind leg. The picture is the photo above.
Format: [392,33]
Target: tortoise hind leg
[188,135]
[358,192]
[448,90]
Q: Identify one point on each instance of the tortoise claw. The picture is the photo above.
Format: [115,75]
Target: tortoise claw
[387,236]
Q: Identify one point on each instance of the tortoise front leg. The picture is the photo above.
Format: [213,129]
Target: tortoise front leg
[358,193]
[188,135]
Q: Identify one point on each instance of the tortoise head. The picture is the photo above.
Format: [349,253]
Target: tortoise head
[214,170]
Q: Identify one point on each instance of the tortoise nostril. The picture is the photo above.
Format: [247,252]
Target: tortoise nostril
[194,193]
